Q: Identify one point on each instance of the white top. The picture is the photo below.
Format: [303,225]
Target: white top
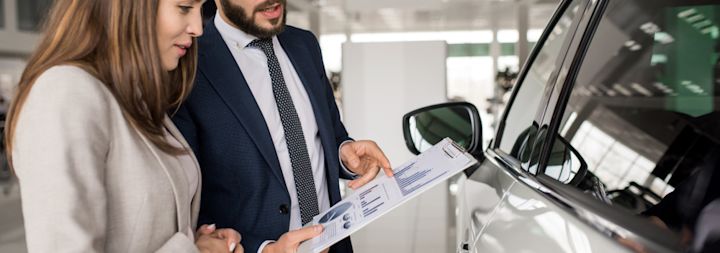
[253,63]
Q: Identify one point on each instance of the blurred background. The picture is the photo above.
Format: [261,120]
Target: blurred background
[384,58]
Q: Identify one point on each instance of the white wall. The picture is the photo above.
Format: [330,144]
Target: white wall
[382,82]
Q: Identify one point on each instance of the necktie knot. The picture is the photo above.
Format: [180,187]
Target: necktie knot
[263,44]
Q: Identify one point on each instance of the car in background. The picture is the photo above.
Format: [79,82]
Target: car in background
[609,143]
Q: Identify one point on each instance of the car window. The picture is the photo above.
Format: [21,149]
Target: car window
[519,126]
[641,130]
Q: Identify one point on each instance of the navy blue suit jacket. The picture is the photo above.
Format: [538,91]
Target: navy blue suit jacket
[242,183]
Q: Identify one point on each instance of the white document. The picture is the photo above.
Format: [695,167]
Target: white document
[383,194]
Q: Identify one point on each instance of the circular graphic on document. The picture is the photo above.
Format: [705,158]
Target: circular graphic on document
[337,211]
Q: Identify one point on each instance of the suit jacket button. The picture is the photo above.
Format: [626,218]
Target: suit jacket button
[284,209]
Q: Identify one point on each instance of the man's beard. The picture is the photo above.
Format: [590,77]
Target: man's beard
[237,15]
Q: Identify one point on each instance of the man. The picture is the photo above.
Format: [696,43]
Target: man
[264,126]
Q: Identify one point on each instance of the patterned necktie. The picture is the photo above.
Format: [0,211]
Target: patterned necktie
[295,139]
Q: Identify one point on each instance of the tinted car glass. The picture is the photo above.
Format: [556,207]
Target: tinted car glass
[643,114]
[518,126]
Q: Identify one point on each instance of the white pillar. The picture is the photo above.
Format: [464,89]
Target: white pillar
[314,18]
[348,21]
[11,24]
[522,47]
[495,51]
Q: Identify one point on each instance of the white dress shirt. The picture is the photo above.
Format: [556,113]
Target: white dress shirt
[253,64]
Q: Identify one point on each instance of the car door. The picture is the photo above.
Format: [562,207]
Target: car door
[640,110]
[609,143]
[492,216]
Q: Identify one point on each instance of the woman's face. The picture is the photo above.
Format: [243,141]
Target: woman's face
[178,21]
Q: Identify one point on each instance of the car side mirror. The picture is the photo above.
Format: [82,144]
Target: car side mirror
[426,126]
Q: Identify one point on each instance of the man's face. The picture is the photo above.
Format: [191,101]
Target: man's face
[260,18]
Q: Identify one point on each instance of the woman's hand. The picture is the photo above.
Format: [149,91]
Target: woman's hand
[290,241]
[210,239]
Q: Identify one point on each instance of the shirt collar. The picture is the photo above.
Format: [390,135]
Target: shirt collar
[232,34]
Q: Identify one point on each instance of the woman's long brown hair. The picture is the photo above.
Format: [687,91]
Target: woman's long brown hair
[115,41]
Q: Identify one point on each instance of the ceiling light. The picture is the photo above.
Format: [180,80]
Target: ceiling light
[687,13]
[695,18]
[710,30]
[594,90]
[703,24]
[533,35]
[585,92]
[622,90]
[662,87]
[655,59]
[642,90]
[692,87]
[451,37]
[650,28]
[507,36]
[663,38]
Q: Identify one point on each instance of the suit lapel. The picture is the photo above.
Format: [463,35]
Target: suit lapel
[217,64]
[176,178]
[195,208]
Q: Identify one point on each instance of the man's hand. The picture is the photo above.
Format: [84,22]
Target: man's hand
[289,242]
[365,159]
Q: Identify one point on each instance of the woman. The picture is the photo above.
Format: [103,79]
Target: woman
[101,167]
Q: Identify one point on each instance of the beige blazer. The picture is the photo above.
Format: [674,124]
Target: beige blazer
[89,181]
